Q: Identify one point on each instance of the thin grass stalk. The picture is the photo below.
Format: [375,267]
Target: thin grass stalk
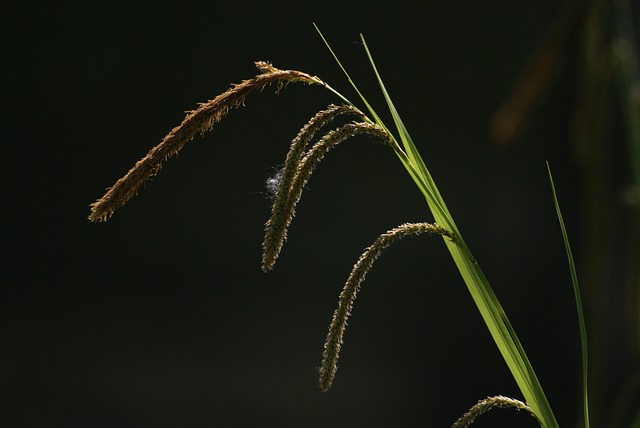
[197,121]
[489,403]
[577,295]
[488,305]
[503,333]
[352,286]
[274,234]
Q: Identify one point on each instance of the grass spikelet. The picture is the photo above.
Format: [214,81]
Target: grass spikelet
[284,211]
[352,286]
[275,236]
[487,404]
[197,121]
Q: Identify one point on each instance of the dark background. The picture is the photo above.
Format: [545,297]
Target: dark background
[161,317]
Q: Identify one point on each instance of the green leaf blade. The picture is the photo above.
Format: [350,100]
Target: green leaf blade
[485,299]
[578,299]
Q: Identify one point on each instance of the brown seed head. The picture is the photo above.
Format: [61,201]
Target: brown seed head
[196,122]
[281,213]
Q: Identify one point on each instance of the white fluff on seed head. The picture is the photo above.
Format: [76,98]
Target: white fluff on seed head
[273,184]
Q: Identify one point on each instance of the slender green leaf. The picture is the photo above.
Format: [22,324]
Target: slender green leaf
[344,70]
[488,305]
[576,292]
[406,139]
[494,316]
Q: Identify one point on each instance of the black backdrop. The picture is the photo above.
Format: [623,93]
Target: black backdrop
[161,317]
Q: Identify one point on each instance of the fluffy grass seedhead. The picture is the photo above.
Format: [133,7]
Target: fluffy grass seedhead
[298,170]
[197,121]
[275,229]
[352,286]
[487,404]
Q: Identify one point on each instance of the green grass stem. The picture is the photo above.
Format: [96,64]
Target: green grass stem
[485,299]
[576,292]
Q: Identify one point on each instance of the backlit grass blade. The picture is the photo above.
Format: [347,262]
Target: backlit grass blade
[411,167]
[353,84]
[407,141]
[492,313]
[576,292]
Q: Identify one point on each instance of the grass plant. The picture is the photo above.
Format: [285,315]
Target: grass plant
[305,153]
[576,292]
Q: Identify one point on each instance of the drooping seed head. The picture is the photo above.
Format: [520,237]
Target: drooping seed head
[197,121]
